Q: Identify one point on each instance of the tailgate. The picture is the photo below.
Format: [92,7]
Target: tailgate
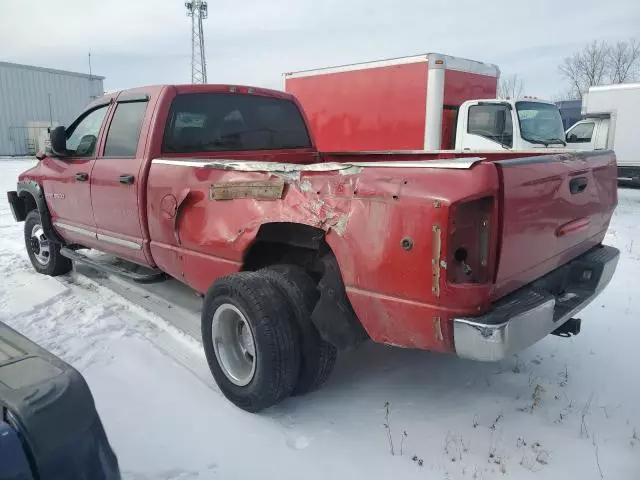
[554,208]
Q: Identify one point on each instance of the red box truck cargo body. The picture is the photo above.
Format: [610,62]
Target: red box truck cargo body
[407,103]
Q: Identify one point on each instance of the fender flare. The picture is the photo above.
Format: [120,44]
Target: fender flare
[30,187]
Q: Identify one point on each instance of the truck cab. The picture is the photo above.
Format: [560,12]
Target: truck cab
[504,124]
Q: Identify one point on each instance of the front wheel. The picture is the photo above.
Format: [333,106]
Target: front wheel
[45,255]
[250,341]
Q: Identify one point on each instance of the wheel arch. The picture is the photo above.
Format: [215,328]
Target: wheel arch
[32,195]
[306,246]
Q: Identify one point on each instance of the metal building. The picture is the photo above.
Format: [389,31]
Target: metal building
[32,99]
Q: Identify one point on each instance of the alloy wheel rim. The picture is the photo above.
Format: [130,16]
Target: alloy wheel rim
[234,344]
[39,245]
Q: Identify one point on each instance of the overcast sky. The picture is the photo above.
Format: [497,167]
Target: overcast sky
[138,42]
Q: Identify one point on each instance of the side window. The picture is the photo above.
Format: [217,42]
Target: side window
[83,136]
[493,122]
[210,122]
[581,133]
[124,131]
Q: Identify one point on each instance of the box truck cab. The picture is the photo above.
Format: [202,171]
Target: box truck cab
[610,113]
[508,125]
[590,133]
[423,102]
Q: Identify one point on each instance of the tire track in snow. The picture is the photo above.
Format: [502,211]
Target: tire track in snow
[80,319]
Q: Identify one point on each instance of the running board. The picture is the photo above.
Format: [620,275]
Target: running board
[132,271]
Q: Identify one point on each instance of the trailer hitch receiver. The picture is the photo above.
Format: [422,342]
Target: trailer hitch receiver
[569,328]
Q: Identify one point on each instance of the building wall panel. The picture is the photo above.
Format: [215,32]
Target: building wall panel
[39,96]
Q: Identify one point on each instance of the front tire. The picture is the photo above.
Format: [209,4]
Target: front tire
[250,341]
[44,254]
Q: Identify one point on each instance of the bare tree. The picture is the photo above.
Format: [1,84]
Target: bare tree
[570,69]
[566,94]
[510,86]
[599,62]
[624,61]
[586,67]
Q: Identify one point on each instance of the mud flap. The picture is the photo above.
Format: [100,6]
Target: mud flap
[333,315]
[18,209]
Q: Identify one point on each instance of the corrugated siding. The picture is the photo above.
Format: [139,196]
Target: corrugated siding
[24,99]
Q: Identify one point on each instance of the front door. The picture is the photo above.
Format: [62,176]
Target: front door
[66,181]
[116,184]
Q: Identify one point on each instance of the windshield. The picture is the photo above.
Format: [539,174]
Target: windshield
[540,122]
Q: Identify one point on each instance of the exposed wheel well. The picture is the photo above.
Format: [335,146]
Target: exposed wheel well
[291,243]
[306,247]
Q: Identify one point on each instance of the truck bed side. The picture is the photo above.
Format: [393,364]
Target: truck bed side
[392,228]
[386,227]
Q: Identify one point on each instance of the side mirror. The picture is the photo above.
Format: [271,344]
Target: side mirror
[58,139]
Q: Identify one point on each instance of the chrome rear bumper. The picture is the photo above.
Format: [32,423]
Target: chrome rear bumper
[531,313]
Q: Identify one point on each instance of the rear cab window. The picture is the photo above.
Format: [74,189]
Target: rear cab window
[210,122]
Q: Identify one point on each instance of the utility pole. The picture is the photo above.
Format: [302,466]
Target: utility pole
[197,10]
[91,95]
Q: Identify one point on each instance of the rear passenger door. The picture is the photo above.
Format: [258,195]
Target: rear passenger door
[116,185]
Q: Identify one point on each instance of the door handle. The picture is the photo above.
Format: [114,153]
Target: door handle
[127,179]
[81,176]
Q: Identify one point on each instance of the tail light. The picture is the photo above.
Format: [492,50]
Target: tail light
[469,248]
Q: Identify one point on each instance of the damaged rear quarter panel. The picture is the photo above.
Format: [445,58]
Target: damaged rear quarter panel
[366,213]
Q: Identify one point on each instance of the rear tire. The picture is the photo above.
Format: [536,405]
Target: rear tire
[250,340]
[44,254]
[318,356]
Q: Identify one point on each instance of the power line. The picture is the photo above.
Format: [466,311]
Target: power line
[197,10]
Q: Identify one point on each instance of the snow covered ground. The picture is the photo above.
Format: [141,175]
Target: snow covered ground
[565,408]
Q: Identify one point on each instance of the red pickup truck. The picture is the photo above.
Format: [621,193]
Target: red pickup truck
[301,253]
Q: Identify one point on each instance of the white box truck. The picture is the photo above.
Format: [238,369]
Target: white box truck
[610,113]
